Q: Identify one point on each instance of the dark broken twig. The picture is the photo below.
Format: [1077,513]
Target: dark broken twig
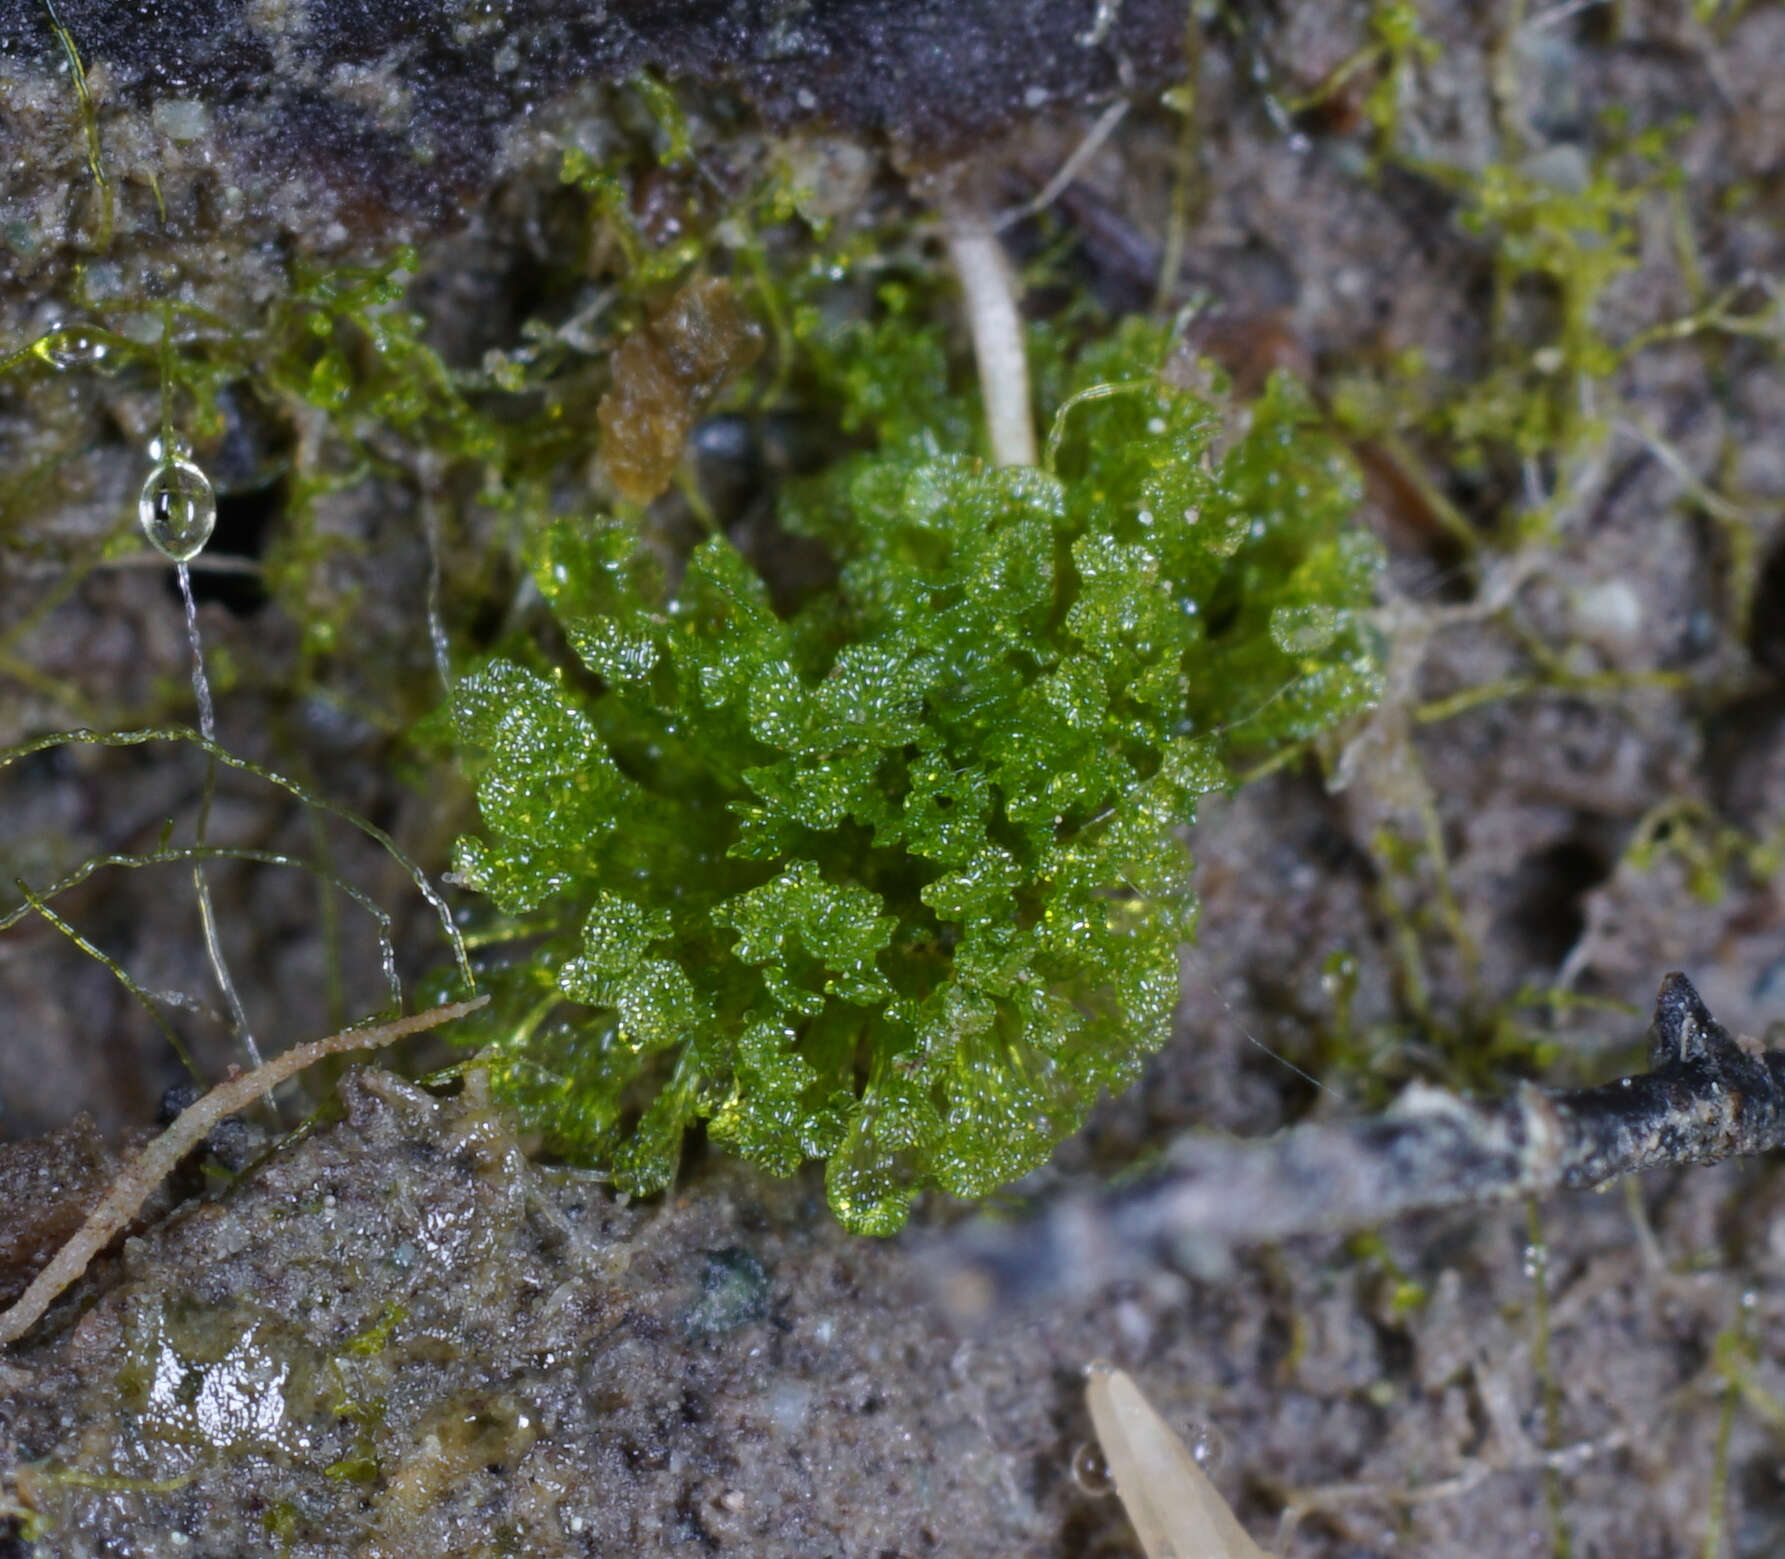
[1707,1096]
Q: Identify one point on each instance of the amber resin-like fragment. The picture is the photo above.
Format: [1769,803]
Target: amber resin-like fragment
[663,376]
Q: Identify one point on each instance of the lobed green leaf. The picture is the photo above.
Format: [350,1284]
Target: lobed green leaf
[897,880]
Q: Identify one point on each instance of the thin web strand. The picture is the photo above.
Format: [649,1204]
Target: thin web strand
[214,852]
[201,887]
[141,737]
[98,954]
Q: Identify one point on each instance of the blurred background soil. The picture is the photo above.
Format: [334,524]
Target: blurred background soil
[401,1335]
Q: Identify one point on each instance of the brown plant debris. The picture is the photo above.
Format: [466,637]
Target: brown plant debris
[664,376]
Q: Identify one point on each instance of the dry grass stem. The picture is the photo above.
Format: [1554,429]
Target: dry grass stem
[996,326]
[1177,1513]
[152,1165]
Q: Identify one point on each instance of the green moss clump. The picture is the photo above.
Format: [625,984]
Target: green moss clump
[896,880]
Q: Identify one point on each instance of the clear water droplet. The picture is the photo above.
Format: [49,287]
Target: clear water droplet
[75,348]
[1304,630]
[1207,1444]
[177,509]
[1090,1472]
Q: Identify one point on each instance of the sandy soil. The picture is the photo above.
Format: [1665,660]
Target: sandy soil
[399,1335]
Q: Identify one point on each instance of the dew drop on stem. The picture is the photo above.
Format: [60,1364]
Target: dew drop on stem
[70,349]
[177,509]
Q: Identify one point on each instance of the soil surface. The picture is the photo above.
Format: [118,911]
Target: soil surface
[399,1334]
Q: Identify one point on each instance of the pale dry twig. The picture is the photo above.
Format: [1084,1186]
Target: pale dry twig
[152,1165]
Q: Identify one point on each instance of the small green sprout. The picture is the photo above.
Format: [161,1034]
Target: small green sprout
[896,879]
